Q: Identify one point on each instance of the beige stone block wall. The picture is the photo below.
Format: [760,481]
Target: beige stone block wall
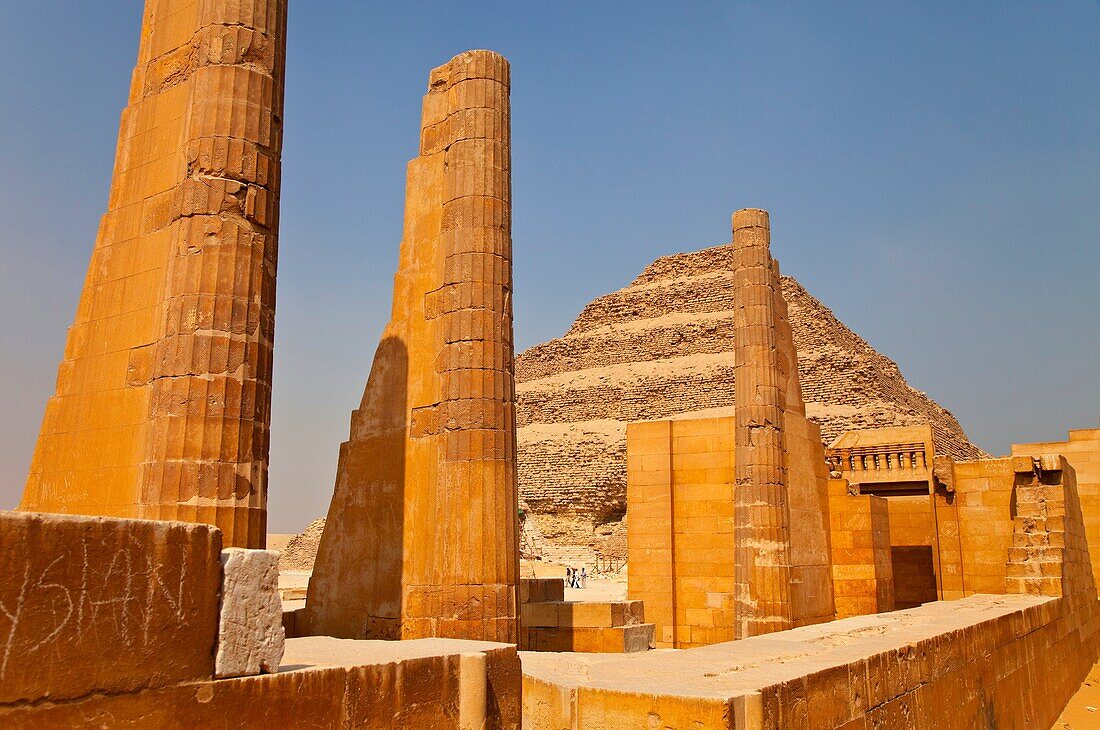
[680,532]
[1082,451]
[812,595]
[106,622]
[96,605]
[879,460]
[913,550]
[949,539]
[1011,660]
[446,687]
[162,405]
[984,494]
[862,568]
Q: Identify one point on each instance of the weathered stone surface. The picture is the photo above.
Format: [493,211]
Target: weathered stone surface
[536,590]
[859,532]
[680,527]
[301,550]
[250,625]
[324,683]
[727,517]
[983,661]
[765,366]
[112,623]
[663,347]
[419,682]
[1082,450]
[310,700]
[162,404]
[104,605]
[421,535]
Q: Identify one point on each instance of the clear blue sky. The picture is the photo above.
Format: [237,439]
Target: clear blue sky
[932,171]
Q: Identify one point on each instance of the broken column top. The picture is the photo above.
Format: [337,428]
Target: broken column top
[477,64]
[750,218]
[752,240]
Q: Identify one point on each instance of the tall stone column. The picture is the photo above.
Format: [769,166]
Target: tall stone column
[421,537]
[163,397]
[762,574]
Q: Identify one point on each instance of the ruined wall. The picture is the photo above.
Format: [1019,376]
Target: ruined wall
[680,528]
[106,622]
[75,590]
[421,535]
[859,532]
[808,498]
[1082,450]
[727,518]
[981,662]
[163,396]
[680,531]
[1008,660]
[663,347]
[963,539]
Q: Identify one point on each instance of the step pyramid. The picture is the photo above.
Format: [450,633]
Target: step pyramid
[663,348]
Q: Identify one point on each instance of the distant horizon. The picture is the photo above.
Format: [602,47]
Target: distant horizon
[932,174]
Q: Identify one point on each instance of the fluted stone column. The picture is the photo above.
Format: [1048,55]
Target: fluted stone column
[762,572]
[162,405]
[421,537]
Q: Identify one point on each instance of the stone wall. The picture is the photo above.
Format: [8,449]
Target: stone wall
[109,622]
[680,528]
[982,662]
[986,661]
[1082,451]
[859,537]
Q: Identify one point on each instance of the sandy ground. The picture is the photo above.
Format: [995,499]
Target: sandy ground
[1083,710]
[598,590]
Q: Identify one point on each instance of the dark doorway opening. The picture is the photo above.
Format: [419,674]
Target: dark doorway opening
[914,575]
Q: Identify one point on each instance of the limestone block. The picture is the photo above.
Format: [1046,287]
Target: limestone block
[302,700]
[250,628]
[326,683]
[91,604]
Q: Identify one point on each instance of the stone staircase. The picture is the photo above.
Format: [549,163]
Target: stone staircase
[550,623]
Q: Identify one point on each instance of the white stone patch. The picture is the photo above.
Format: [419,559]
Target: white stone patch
[250,625]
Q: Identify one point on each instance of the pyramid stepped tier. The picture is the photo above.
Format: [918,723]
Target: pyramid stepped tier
[663,348]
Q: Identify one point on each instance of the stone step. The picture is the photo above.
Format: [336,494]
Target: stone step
[606,640]
[536,590]
[582,614]
[293,593]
